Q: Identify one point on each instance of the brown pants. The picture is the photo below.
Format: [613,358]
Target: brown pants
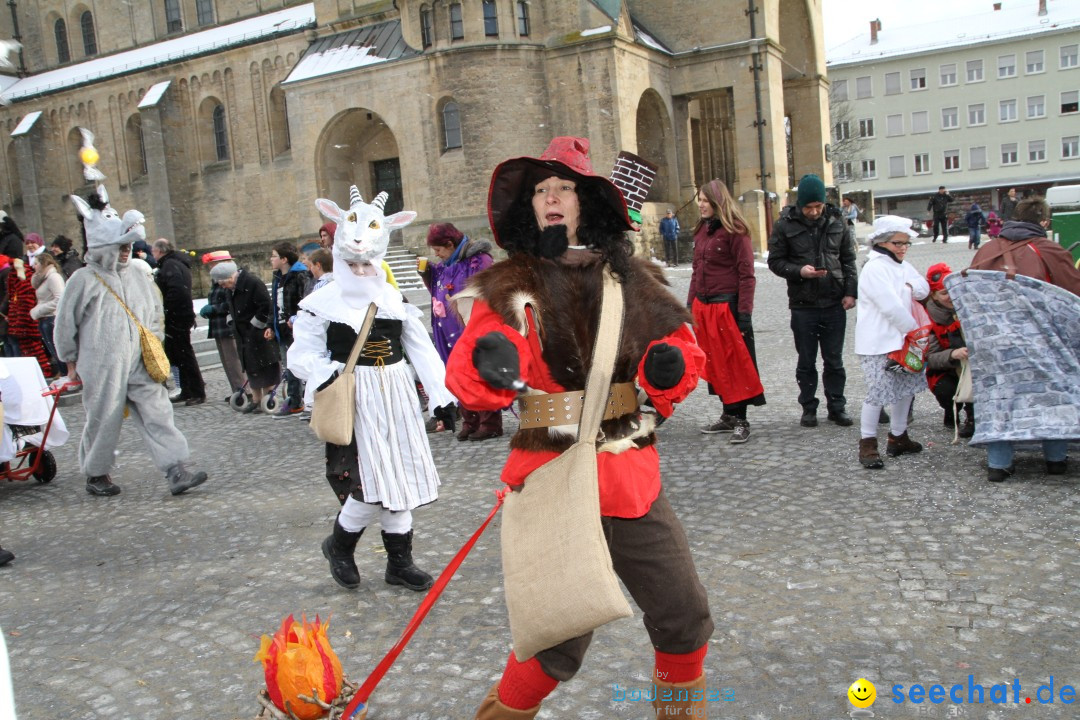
[652,558]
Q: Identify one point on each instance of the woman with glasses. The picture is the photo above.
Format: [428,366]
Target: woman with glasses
[887,286]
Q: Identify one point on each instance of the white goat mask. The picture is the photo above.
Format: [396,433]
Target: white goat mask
[106,227]
[363,232]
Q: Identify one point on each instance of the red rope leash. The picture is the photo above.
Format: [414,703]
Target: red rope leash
[359,700]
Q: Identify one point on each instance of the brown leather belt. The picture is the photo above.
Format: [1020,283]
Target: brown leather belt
[540,411]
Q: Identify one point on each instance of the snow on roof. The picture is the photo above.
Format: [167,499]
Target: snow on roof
[26,123]
[153,95]
[168,51]
[647,39]
[596,31]
[352,49]
[1012,21]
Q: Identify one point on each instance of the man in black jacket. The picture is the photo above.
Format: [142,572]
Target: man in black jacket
[814,250]
[174,278]
[939,206]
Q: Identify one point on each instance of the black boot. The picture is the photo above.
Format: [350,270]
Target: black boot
[338,548]
[399,563]
[6,556]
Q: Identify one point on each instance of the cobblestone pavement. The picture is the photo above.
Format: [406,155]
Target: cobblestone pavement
[819,572]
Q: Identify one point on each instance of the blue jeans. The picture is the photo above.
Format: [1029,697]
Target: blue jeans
[974,235]
[999,454]
[45,325]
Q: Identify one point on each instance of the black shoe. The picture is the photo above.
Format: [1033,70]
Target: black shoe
[400,569]
[999,474]
[6,556]
[841,418]
[179,398]
[339,548]
[194,401]
[181,480]
[967,429]
[809,418]
[1053,467]
[101,485]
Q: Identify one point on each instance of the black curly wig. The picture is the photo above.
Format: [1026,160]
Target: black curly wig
[599,228]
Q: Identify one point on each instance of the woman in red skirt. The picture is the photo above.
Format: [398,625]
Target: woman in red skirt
[722,300]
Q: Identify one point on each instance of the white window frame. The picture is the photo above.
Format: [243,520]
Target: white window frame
[1069,57]
[1070,147]
[976,114]
[946,115]
[894,125]
[954,157]
[842,131]
[947,77]
[915,129]
[1034,62]
[840,90]
[1008,103]
[973,162]
[1006,66]
[866,128]
[921,160]
[917,79]
[893,83]
[1036,107]
[869,169]
[869,83]
[1010,154]
[843,171]
[1069,97]
[973,71]
[1036,151]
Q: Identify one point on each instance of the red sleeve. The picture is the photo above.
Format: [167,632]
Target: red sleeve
[744,267]
[461,376]
[694,357]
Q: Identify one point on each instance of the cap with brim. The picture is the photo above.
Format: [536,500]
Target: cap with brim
[885,226]
[216,256]
[566,157]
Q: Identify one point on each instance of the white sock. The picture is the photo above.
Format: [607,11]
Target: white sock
[869,421]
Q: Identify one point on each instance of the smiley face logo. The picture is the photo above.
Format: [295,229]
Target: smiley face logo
[862,693]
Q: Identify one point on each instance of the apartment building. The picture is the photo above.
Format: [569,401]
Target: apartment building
[978,105]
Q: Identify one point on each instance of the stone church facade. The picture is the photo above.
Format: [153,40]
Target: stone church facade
[223,120]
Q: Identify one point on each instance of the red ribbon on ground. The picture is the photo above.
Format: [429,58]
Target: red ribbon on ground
[359,700]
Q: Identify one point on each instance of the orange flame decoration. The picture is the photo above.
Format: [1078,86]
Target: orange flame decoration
[297,661]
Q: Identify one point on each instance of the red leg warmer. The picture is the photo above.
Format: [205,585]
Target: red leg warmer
[681,668]
[524,685]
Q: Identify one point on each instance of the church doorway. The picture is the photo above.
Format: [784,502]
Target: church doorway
[358,148]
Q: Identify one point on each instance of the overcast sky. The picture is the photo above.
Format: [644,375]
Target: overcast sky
[846,18]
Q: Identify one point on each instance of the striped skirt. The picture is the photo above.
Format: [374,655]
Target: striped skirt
[396,467]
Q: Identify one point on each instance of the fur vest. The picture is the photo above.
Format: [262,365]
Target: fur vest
[565,299]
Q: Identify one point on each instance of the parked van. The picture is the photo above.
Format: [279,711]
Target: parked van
[1064,201]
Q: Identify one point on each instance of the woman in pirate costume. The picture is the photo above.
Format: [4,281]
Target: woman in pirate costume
[387,470]
[532,324]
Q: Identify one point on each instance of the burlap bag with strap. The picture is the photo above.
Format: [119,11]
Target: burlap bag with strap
[557,568]
[335,405]
[154,358]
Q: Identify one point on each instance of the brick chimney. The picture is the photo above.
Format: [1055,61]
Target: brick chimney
[875,28]
[1042,8]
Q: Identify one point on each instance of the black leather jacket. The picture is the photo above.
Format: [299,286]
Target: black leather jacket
[827,242]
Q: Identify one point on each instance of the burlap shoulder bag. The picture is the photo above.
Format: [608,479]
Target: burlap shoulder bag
[335,405]
[557,568]
[154,358]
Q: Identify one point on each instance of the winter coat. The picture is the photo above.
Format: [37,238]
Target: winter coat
[974,218]
[939,204]
[449,278]
[1033,253]
[827,242]
[993,225]
[945,336]
[723,265]
[884,308]
[173,277]
[69,263]
[218,317]
[48,287]
[1008,207]
[250,307]
[669,228]
[287,292]
[21,301]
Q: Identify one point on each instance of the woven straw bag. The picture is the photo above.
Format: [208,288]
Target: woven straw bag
[154,358]
[557,568]
[335,405]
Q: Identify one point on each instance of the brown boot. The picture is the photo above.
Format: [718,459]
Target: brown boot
[491,709]
[868,454]
[680,700]
[900,444]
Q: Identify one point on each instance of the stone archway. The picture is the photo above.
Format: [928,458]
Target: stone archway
[357,147]
[656,143]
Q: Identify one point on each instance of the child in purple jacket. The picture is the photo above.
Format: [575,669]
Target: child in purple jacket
[460,258]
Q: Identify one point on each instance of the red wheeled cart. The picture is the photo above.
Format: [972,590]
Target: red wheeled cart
[33,461]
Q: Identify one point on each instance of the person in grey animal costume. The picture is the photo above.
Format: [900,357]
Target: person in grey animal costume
[97,337]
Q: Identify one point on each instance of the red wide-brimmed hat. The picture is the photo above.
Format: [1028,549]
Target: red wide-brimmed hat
[566,157]
[216,256]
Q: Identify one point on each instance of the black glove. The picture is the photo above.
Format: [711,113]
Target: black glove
[496,360]
[664,366]
[448,415]
[743,322]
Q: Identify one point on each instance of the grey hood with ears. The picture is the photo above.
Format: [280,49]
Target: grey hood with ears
[105,226]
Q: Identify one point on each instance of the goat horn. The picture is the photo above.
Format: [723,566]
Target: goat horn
[380,200]
[354,196]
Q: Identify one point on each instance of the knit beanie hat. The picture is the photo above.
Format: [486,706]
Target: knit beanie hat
[811,190]
[223,271]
